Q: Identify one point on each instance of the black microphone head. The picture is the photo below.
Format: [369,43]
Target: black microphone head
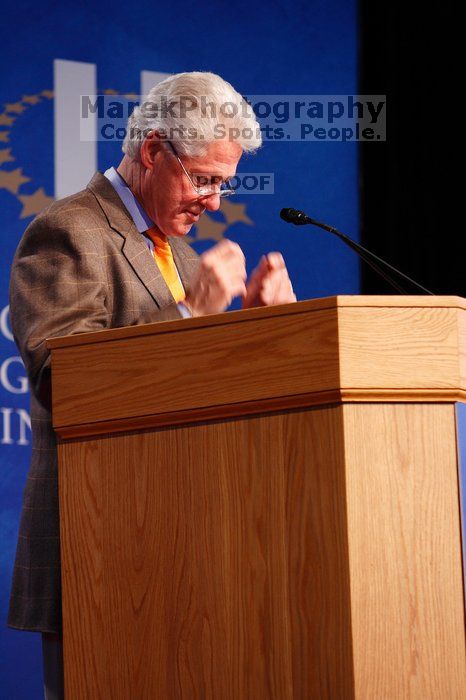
[293,216]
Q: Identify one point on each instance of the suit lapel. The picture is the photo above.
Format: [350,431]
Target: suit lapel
[186,259]
[134,246]
[136,251]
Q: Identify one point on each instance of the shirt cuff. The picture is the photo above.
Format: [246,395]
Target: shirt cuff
[184,311]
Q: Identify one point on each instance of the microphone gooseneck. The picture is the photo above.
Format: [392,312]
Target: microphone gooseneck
[299,218]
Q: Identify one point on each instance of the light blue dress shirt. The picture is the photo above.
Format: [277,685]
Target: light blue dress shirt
[138,215]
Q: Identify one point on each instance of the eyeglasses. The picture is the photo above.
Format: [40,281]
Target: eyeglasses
[201,184]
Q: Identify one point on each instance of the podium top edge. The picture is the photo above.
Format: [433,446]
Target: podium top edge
[309,305]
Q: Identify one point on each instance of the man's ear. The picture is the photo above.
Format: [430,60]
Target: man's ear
[150,147]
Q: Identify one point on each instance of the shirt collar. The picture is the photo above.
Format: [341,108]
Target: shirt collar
[137,213]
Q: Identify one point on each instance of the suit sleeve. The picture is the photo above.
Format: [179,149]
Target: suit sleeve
[59,286]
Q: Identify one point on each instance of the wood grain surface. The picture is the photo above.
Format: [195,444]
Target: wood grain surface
[307,554]
[462,346]
[319,304]
[202,367]
[312,552]
[406,348]
[407,606]
[260,360]
[208,562]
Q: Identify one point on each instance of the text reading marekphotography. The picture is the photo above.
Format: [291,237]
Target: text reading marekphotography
[310,118]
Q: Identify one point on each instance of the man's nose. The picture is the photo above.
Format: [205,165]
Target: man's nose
[211,202]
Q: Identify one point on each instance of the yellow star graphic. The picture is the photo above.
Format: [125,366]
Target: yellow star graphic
[16,107]
[30,99]
[5,156]
[47,93]
[131,95]
[110,92]
[208,228]
[4,136]
[34,203]
[12,180]
[6,120]
[235,212]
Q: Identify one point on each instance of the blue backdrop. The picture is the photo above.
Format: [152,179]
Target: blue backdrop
[261,48]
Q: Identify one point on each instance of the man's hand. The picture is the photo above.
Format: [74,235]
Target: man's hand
[221,277]
[269,284]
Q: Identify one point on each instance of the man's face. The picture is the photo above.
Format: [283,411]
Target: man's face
[167,195]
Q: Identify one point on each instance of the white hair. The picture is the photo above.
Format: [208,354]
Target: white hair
[193,109]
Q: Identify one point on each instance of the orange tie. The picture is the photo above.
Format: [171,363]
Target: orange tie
[164,258]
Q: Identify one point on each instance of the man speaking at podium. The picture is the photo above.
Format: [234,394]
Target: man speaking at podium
[114,255]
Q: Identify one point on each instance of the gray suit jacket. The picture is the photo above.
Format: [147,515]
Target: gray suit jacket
[81,266]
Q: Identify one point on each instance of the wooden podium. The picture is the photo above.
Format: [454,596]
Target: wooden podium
[265,504]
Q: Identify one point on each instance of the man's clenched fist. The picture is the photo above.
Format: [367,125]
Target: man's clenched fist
[269,284]
[220,278]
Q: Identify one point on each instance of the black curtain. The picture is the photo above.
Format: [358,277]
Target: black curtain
[412,185]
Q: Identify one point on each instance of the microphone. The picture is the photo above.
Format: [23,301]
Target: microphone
[293,216]
[299,218]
